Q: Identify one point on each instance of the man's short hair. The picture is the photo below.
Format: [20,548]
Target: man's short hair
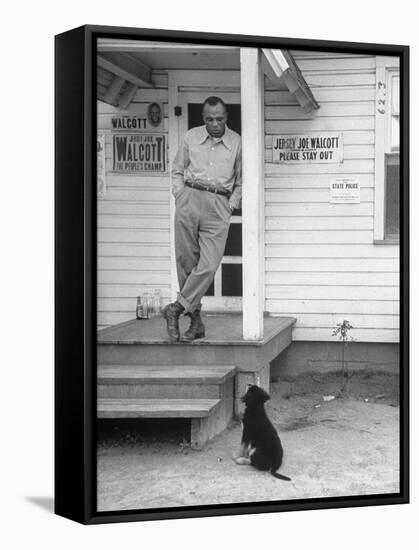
[213,101]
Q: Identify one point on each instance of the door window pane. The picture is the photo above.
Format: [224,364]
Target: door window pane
[210,291]
[234,240]
[231,279]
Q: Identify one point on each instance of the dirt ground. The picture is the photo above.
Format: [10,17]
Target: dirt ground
[340,446]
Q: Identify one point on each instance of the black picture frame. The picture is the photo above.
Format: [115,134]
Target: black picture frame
[75,275]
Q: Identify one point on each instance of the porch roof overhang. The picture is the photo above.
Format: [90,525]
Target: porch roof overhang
[278,66]
[126,65]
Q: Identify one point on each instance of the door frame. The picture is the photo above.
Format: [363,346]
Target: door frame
[191,87]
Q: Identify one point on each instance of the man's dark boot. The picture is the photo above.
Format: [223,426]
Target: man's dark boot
[171,313]
[196,329]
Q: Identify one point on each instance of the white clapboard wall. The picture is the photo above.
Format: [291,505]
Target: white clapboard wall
[321,265]
[133,239]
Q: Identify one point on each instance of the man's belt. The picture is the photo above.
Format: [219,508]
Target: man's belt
[202,187]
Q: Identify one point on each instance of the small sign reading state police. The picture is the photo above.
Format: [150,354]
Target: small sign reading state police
[133,153]
[303,148]
[345,191]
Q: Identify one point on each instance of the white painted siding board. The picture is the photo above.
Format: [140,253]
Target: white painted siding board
[327,124]
[317,334]
[126,290]
[309,196]
[303,223]
[133,222]
[143,236]
[341,307]
[387,265]
[319,237]
[156,278]
[133,250]
[332,109]
[124,208]
[330,94]
[132,264]
[321,278]
[328,250]
[315,293]
[325,320]
[281,212]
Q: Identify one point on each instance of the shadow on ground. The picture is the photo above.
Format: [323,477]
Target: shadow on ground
[334,446]
[46,503]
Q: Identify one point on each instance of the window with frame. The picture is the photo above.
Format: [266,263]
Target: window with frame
[392,160]
[387,152]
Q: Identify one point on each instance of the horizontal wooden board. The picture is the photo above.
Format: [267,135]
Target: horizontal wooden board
[326,320]
[135,108]
[326,94]
[299,308]
[172,374]
[360,335]
[327,124]
[312,54]
[155,183]
[343,169]
[319,210]
[337,64]
[128,291]
[133,222]
[134,236]
[116,304]
[328,250]
[133,264]
[318,237]
[155,277]
[331,79]
[125,208]
[150,95]
[308,196]
[134,250]
[327,109]
[141,195]
[331,292]
[155,408]
[333,278]
[312,223]
[380,265]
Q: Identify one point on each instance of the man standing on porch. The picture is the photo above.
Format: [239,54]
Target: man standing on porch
[206,184]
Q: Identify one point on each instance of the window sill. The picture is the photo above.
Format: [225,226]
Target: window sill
[388,241]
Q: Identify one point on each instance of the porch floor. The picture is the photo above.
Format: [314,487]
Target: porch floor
[221,329]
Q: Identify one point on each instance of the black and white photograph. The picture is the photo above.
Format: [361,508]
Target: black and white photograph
[248,268]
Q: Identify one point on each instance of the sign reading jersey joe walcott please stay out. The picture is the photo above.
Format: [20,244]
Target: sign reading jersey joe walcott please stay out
[304,148]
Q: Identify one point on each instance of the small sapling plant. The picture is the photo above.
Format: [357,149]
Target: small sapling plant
[342,330]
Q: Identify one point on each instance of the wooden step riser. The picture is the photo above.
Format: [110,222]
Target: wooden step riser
[204,429]
[169,391]
[243,356]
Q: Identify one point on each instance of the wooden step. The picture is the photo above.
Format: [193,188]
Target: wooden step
[155,408]
[172,374]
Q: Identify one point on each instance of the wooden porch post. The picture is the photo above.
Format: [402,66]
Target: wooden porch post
[252,102]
